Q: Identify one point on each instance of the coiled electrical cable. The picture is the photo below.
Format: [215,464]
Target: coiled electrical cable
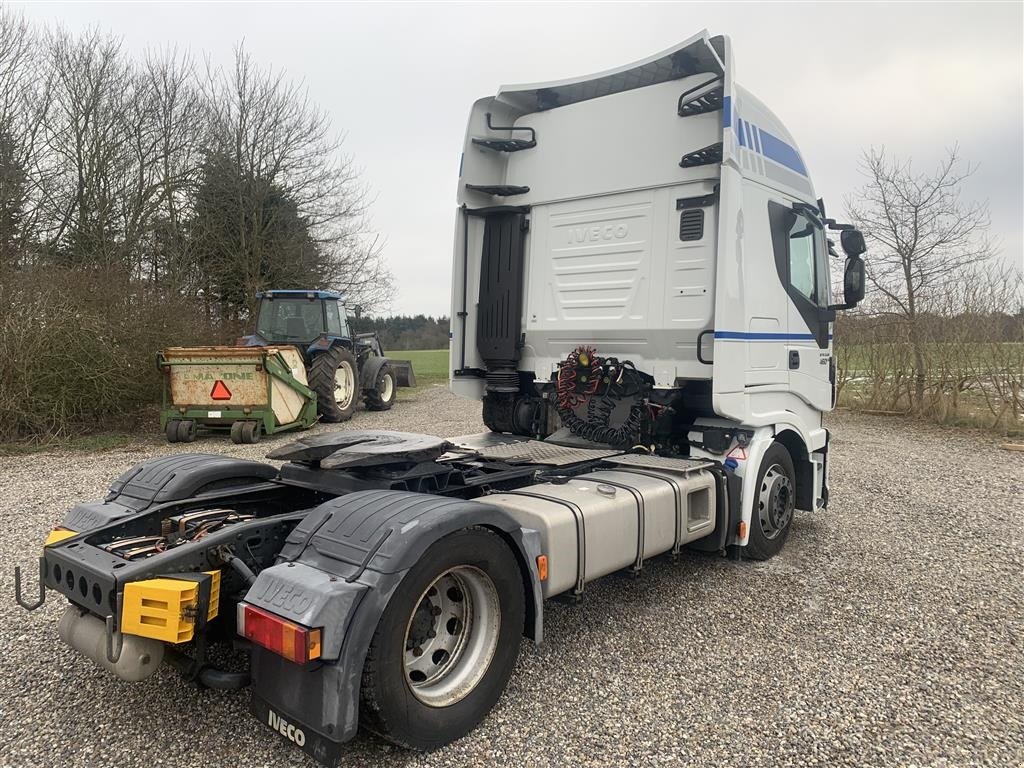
[575,388]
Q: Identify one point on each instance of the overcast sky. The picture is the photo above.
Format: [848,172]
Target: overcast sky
[400,79]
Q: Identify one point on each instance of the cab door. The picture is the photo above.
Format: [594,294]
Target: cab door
[801,261]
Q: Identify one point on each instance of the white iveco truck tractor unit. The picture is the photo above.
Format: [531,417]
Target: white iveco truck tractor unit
[641,302]
[641,262]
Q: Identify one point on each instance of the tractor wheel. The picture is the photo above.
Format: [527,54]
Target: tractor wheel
[446,644]
[383,396]
[187,431]
[334,376]
[171,430]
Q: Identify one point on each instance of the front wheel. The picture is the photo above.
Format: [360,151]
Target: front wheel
[446,644]
[334,376]
[383,395]
[774,502]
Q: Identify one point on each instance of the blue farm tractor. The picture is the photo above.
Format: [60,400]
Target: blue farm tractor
[340,367]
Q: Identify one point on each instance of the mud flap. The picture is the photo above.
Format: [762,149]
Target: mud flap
[324,750]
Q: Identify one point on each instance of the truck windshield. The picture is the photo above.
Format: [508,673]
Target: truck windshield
[290,319]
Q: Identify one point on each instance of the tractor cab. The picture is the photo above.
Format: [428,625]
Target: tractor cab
[299,317]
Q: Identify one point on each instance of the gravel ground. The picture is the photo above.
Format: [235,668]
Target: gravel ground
[888,632]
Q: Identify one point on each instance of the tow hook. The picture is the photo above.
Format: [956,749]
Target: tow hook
[115,639]
[30,606]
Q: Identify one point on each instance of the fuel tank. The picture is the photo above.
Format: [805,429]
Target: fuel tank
[603,521]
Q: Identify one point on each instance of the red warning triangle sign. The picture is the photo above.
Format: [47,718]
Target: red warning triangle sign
[220,391]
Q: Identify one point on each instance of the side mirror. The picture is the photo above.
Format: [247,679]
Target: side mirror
[853,280]
[854,277]
[853,243]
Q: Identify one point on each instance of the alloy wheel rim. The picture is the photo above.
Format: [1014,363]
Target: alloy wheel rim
[775,501]
[451,636]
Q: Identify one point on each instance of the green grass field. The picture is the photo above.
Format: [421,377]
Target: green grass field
[1007,356]
[429,365]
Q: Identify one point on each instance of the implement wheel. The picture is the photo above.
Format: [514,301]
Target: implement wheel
[171,430]
[446,643]
[252,431]
[187,431]
[334,376]
[385,392]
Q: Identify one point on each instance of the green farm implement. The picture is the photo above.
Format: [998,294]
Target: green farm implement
[247,391]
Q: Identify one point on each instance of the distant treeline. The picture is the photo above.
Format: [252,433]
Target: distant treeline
[406,332]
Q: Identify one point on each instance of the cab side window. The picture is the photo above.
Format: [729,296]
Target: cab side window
[336,324]
[803,240]
[801,262]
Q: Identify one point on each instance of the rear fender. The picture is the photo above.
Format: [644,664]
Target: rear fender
[324,343]
[167,478]
[339,569]
[368,373]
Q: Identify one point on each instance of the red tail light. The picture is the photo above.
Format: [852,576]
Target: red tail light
[285,638]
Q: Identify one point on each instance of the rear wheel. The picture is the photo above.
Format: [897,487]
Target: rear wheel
[236,432]
[446,644]
[382,397]
[773,504]
[171,430]
[333,375]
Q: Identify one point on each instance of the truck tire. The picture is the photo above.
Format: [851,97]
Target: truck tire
[772,516]
[446,644]
[383,396]
[334,376]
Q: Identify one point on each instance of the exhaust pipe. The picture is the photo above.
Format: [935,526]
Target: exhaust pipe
[140,656]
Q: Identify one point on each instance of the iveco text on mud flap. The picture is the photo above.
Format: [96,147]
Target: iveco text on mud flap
[640,299]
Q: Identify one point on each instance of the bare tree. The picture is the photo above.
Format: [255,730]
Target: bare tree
[84,136]
[922,239]
[162,128]
[20,119]
[274,156]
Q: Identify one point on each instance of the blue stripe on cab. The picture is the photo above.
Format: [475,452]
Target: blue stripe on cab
[779,151]
[742,336]
[761,141]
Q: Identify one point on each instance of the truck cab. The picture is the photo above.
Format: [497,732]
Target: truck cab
[660,218]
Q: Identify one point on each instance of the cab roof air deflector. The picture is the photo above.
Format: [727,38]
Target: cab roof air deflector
[691,57]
